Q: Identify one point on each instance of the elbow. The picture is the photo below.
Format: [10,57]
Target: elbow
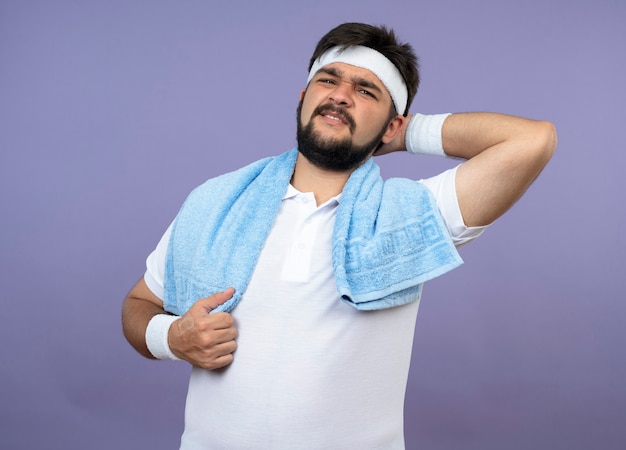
[546,140]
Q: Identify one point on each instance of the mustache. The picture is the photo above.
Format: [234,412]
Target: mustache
[329,107]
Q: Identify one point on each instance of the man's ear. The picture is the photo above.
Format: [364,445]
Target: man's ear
[396,126]
[302,94]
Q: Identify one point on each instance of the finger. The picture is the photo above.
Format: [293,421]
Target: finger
[211,302]
[218,321]
[220,335]
[218,356]
[223,349]
[217,363]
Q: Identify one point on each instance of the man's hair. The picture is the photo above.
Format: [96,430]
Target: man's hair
[382,40]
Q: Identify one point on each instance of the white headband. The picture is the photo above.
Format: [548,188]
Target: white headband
[375,62]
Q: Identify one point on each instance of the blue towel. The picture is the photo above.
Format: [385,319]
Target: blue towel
[388,240]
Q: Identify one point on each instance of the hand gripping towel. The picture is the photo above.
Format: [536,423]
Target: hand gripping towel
[389,237]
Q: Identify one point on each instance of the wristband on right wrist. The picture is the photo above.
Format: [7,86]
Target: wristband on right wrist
[423,134]
[157,336]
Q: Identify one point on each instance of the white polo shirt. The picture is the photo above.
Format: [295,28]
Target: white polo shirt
[310,371]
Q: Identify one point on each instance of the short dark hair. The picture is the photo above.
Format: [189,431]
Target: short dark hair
[381,39]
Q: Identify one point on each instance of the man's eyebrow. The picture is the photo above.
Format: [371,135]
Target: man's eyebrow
[360,81]
[331,71]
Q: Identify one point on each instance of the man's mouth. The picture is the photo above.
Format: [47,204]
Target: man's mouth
[335,115]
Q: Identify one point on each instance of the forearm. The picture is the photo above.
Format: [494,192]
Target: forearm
[466,135]
[136,315]
[140,306]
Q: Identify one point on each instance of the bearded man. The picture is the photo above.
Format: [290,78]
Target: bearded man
[311,267]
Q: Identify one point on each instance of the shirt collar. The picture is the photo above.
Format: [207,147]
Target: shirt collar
[292,192]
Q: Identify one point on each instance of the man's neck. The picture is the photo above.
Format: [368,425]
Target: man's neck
[323,183]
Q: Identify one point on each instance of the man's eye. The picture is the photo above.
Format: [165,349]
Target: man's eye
[365,92]
[326,81]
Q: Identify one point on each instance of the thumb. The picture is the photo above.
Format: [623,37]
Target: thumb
[211,302]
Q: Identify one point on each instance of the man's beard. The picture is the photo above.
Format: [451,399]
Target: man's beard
[337,155]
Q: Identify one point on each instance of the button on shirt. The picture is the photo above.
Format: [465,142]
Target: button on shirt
[306,219]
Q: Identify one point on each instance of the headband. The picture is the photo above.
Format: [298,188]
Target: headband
[370,59]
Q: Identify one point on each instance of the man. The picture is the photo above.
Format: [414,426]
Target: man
[311,268]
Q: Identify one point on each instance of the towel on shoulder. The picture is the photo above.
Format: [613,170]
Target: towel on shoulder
[389,237]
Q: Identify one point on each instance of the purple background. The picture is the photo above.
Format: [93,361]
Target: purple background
[110,112]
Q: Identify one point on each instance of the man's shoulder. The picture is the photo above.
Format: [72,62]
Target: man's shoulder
[244,173]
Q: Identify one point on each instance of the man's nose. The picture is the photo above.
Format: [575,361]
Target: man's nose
[342,94]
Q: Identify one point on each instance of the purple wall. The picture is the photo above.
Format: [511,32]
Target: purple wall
[110,112]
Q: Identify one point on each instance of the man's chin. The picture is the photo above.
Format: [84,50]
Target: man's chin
[333,159]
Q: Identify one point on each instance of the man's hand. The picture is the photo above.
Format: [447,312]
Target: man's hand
[205,340]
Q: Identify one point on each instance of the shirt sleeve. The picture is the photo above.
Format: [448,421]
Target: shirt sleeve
[443,188]
[155,265]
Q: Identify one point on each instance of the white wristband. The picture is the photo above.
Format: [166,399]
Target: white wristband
[423,134]
[156,336]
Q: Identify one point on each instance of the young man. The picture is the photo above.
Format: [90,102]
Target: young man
[311,267]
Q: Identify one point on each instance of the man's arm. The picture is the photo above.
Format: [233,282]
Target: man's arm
[140,306]
[204,340]
[504,156]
